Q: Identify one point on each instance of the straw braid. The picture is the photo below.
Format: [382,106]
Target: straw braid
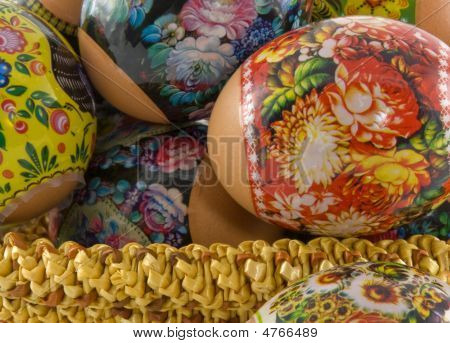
[158,283]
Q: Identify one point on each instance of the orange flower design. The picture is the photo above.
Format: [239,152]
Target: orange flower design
[279,49]
[379,293]
[375,101]
[385,181]
[373,317]
[329,278]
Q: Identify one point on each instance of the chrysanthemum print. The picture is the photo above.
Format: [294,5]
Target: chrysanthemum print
[361,293]
[346,125]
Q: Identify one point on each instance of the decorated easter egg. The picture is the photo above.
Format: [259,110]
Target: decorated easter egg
[434,223]
[404,10]
[138,184]
[432,16]
[361,293]
[340,128]
[47,128]
[168,60]
[64,15]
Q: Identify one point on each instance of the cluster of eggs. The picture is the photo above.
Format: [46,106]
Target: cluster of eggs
[338,127]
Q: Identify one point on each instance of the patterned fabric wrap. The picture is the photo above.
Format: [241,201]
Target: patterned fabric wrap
[138,184]
[47,128]
[181,52]
[364,292]
[404,10]
[346,125]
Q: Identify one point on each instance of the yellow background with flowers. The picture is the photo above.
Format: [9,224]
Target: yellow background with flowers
[404,10]
[43,132]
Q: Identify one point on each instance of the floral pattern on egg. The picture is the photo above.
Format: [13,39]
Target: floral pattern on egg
[364,292]
[181,52]
[47,127]
[351,118]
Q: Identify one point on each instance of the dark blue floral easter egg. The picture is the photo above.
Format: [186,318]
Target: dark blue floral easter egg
[172,58]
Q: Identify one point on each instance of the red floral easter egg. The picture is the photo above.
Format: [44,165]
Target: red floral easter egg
[345,126]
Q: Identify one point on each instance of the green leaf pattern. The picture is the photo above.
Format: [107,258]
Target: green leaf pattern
[37,164]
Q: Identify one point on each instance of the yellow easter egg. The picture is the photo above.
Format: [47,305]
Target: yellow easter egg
[47,127]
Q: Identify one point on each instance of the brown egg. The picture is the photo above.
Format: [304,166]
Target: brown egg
[320,139]
[45,197]
[215,217]
[434,17]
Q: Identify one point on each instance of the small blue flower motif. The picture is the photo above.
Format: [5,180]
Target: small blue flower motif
[260,33]
[117,156]
[109,156]
[153,144]
[97,190]
[151,34]
[295,16]
[135,217]
[138,11]
[166,29]
[175,239]
[5,70]
[157,237]
[121,188]
[277,26]
[141,186]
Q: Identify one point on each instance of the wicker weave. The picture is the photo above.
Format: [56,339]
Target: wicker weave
[39,283]
[30,231]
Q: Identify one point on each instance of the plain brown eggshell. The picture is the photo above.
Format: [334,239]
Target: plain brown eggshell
[67,10]
[434,16]
[215,217]
[226,146]
[45,198]
[115,84]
